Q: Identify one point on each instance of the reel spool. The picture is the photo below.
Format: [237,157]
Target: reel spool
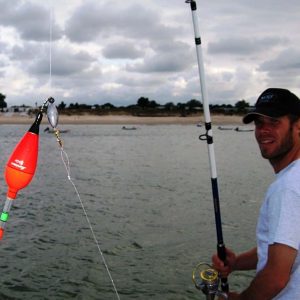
[207,280]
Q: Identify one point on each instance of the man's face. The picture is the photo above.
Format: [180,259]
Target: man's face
[277,138]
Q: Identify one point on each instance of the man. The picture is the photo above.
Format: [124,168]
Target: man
[277,257]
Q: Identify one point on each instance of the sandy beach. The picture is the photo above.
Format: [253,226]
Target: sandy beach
[123,119]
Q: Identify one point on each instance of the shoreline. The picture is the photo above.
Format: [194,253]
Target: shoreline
[124,119]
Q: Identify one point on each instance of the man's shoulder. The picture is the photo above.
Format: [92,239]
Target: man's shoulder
[290,173]
[288,180]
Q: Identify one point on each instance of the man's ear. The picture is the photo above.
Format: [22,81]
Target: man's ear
[297,126]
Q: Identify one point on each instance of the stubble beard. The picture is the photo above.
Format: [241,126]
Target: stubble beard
[281,150]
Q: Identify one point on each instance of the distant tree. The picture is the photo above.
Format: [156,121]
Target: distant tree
[143,102]
[62,105]
[228,105]
[107,106]
[242,105]
[153,104]
[181,106]
[217,108]
[74,106]
[169,106]
[131,106]
[194,103]
[84,106]
[3,104]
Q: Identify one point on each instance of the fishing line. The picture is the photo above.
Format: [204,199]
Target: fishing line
[50,47]
[52,115]
[66,162]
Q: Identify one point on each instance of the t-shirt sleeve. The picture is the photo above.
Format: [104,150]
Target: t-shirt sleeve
[284,222]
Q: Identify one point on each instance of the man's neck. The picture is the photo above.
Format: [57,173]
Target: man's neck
[279,164]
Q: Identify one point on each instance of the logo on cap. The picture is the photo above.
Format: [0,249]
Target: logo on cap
[266,98]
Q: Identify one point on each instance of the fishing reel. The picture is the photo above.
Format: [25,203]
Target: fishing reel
[207,280]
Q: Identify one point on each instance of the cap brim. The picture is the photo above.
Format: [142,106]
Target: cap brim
[251,116]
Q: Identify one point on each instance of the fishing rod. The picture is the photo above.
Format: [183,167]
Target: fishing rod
[208,277]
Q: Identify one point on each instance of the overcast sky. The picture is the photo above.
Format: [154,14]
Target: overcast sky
[117,51]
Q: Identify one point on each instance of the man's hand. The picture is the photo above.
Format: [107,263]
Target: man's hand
[228,267]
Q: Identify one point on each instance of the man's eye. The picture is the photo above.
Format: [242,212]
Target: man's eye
[275,121]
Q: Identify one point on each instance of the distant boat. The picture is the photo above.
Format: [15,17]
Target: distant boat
[48,130]
[243,129]
[129,128]
[225,128]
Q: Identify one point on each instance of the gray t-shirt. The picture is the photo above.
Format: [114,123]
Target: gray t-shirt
[279,222]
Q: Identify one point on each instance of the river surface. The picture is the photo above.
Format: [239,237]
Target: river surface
[147,194]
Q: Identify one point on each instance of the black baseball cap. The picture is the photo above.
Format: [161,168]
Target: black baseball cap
[274,103]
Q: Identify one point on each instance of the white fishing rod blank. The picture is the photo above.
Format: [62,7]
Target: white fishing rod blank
[208,136]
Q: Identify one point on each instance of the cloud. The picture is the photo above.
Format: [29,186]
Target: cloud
[30,20]
[122,50]
[65,63]
[117,51]
[93,20]
[287,60]
[160,63]
[165,58]
[244,45]
[284,69]
[25,52]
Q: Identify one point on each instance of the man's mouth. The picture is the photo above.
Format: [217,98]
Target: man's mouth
[266,141]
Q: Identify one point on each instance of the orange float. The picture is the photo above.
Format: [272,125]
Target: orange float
[21,167]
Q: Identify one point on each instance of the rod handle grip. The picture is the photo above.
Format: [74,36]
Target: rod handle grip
[222,255]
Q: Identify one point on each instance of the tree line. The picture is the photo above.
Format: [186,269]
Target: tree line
[146,106]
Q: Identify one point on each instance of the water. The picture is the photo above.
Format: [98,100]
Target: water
[148,196]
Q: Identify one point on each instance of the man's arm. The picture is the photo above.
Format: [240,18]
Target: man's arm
[273,277]
[246,260]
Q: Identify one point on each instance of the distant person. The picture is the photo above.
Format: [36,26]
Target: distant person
[276,257]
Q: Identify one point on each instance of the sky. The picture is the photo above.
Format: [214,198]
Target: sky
[99,51]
